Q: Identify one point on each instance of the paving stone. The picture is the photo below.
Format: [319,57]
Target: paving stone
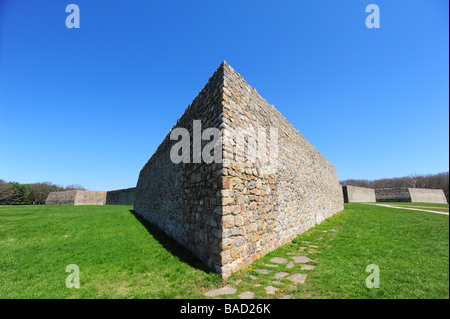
[270,290]
[313,246]
[276,282]
[301,259]
[238,282]
[298,278]
[279,275]
[263,271]
[290,265]
[270,265]
[308,267]
[301,248]
[247,295]
[253,277]
[291,287]
[221,291]
[278,260]
[286,297]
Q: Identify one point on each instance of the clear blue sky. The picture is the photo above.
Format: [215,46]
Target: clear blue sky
[89,106]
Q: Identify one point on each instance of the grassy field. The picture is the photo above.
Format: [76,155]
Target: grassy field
[411,249]
[120,257]
[115,253]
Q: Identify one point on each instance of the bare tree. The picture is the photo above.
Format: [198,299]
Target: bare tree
[74,187]
[6,190]
[41,191]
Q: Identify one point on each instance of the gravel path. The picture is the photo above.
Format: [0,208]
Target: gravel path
[408,208]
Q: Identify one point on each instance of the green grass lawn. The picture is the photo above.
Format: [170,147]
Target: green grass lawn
[116,255]
[120,258]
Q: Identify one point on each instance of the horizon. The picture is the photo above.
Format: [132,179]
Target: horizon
[89,106]
[340,181]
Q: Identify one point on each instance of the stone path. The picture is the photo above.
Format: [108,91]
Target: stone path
[301,259]
[269,265]
[287,273]
[247,295]
[263,271]
[221,291]
[298,278]
[307,267]
[270,290]
[278,260]
[279,275]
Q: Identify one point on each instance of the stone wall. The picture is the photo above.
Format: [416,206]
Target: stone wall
[231,213]
[425,195]
[354,194]
[61,198]
[120,197]
[76,197]
[392,195]
[90,198]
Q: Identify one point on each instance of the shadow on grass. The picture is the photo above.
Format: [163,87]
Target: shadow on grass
[171,245]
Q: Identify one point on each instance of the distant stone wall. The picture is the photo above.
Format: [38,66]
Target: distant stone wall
[120,197]
[61,198]
[392,195]
[76,197]
[353,194]
[404,194]
[90,198]
[427,195]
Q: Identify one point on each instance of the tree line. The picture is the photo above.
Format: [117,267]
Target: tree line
[13,193]
[433,181]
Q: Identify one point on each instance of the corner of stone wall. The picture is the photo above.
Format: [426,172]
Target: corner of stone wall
[248,209]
